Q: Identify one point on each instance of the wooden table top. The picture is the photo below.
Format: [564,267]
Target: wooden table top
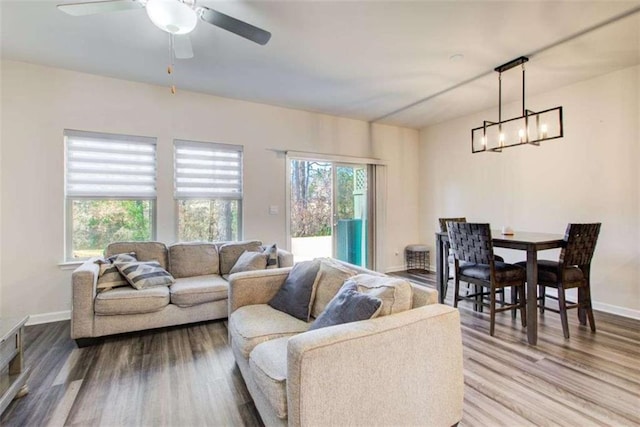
[521,236]
[526,237]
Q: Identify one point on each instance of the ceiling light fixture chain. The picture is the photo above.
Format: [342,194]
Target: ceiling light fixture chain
[171,65]
[494,136]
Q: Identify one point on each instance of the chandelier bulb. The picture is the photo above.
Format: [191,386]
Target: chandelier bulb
[543,130]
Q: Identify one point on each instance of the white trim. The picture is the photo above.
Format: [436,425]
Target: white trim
[617,310]
[56,316]
[71,265]
[395,268]
[287,202]
[304,155]
[379,192]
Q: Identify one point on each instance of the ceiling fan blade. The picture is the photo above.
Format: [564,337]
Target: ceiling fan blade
[182,46]
[93,7]
[234,25]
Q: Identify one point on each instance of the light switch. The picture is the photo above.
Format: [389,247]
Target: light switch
[273,210]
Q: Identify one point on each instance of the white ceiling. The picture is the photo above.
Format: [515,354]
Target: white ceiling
[359,59]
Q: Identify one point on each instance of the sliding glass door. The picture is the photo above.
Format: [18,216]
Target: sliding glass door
[350,225]
[329,211]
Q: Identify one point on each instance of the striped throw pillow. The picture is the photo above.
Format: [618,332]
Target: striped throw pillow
[109,277]
[145,274]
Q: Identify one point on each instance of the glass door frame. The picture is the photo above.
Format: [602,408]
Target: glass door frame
[369,165]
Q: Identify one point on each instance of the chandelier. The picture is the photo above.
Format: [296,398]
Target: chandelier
[529,128]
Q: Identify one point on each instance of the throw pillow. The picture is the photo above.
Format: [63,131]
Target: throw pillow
[330,279]
[272,256]
[294,297]
[145,274]
[250,261]
[396,294]
[231,251]
[348,305]
[109,277]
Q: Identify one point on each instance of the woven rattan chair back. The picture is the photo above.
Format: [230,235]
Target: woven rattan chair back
[471,242]
[443,222]
[580,244]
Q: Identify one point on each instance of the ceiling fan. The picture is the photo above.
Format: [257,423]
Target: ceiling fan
[176,17]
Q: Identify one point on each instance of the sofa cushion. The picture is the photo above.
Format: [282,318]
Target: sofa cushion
[128,300]
[145,251]
[230,252]
[254,324]
[250,261]
[141,274]
[193,259]
[189,291]
[347,306]
[268,362]
[396,294]
[330,279]
[295,295]
[272,256]
[109,276]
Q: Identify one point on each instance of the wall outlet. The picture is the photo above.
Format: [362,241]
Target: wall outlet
[273,210]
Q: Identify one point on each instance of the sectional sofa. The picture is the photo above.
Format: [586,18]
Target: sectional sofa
[200,291]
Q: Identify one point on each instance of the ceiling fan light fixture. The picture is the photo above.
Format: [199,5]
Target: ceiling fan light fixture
[172,16]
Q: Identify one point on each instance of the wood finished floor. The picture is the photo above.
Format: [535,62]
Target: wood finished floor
[186,376]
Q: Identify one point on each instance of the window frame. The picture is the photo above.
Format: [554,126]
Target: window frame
[239,199]
[68,200]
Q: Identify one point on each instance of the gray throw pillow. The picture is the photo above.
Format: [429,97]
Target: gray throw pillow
[294,297]
[250,261]
[348,305]
[109,277]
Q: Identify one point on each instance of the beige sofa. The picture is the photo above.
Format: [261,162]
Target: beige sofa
[399,369]
[199,293]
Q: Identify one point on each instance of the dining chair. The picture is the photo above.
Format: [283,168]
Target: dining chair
[572,270]
[447,247]
[474,262]
[447,268]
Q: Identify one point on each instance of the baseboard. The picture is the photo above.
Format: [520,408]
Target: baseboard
[617,310]
[394,269]
[56,316]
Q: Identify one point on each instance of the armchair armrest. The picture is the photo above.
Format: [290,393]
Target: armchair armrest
[403,369]
[255,287]
[83,290]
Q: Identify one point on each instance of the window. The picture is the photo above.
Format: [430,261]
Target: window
[208,190]
[110,191]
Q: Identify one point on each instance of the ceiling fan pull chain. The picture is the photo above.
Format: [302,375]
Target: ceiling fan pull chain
[171,63]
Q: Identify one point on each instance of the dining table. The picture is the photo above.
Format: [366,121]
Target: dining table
[530,242]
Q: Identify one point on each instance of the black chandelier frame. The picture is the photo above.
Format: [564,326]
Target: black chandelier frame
[527,115]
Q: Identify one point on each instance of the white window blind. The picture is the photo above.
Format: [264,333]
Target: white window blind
[110,166]
[207,171]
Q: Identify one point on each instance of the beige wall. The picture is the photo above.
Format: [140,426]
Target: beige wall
[402,191]
[38,103]
[592,174]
